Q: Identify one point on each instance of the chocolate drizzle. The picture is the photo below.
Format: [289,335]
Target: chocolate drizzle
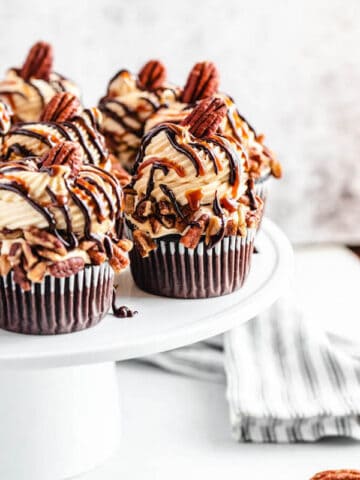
[77,130]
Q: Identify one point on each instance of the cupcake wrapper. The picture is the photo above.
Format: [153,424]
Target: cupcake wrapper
[57,305]
[262,188]
[173,270]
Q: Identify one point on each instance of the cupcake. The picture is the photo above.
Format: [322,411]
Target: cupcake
[59,247]
[203,82]
[28,89]
[129,102]
[189,210]
[63,119]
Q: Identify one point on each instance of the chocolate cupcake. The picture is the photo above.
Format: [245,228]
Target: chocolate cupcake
[28,89]
[203,82]
[189,209]
[129,101]
[59,247]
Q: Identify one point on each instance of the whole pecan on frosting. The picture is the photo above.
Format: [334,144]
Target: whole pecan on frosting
[206,117]
[66,153]
[38,63]
[152,75]
[342,474]
[62,107]
[202,82]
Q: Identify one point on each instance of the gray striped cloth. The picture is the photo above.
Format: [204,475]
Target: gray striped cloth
[286,380]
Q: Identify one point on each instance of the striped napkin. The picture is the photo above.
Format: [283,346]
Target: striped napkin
[287,381]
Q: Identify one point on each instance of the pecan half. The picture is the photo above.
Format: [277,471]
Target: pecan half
[68,267]
[143,243]
[118,261]
[66,153]
[206,117]
[337,475]
[152,75]
[62,107]
[202,82]
[38,63]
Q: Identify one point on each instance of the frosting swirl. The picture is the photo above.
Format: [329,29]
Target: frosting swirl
[125,108]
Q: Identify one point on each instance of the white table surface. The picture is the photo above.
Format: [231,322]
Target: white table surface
[177,427]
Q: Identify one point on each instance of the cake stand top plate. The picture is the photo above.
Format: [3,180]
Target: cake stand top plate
[162,323]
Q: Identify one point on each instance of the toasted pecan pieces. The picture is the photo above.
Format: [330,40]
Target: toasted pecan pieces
[38,63]
[203,81]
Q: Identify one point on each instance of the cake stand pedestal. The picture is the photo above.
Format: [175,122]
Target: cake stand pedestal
[59,401]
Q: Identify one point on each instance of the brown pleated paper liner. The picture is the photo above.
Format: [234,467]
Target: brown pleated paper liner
[173,270]
[57,305]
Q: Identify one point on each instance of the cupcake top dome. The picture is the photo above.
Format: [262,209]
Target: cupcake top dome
[63,119]
[29,88]
[129,101]
[190,179]
[61,208]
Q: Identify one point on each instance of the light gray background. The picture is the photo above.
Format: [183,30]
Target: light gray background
[293,67]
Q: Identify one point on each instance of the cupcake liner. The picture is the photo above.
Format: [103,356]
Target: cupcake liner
[57,305]
[262,188]
[173,270]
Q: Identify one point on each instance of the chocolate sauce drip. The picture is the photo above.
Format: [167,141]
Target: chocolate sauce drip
[171,131]
[99,207]
[133,114]
[123,311]
[170,194]
[22,192]
[70,240]
[231,155]
[108,200]
[109,178]
[201,146]
[92,138]
[219,235]
[241,117]
[150,184]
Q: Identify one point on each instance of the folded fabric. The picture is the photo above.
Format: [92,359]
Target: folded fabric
[287,381]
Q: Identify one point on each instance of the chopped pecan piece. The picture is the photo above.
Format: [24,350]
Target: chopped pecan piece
[342,474]
[152,75]
[193,233]
[276,169]
[66,268]
[230,228]
[42,238]
[203,81]
[97,257]
[143,243]
[66,153]
[20,278]
[125,244]
[168,220]
[15,253]
[155,224]
[206,117]
[144,208]
[119,261]
[62,107]
[165,208]
[38,63]
[37,272]
[5,265]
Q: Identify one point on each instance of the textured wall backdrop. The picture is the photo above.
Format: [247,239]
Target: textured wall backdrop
[293,67]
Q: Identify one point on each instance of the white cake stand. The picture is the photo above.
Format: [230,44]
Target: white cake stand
[59,400]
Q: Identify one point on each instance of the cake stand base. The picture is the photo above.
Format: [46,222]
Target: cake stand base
[57,422]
